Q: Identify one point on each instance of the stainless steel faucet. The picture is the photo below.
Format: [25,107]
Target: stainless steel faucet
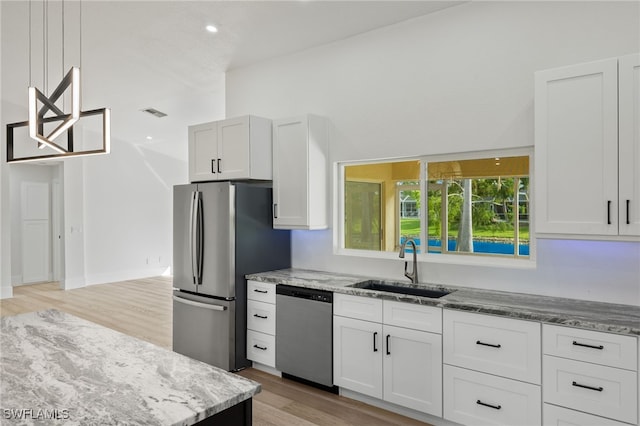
[413,276]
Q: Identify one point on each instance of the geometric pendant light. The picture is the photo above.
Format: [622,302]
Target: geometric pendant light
[44,110]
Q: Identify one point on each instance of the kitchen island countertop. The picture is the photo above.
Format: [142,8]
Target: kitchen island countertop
[55,366]
[607,317]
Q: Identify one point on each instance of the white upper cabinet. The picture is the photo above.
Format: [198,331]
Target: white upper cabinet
[300,172]
[629,139]
[581,134]
[236,148]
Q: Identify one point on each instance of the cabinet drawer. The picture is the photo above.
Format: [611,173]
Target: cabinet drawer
[261,348]
[560,416]
[596,389]
[358,307]
[261,317]
[608,349]
[496,345]
[260,291]
[474,398]
[411,315]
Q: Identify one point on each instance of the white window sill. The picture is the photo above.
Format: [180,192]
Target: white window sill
[451,259]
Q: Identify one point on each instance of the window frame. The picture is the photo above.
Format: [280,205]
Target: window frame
[480,259]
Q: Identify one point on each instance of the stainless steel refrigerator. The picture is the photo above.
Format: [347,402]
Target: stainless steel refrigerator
[221,232]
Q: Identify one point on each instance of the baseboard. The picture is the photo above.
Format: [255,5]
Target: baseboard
[113,277]
[6,292]
[73,283]
[16,280]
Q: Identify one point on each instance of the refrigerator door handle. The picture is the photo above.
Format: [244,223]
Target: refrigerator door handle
[199,238]
[192,236]
[199,304]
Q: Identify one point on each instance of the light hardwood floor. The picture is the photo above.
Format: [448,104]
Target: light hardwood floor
[143,309]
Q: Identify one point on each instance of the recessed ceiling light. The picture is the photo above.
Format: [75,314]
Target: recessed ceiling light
[149,138]
[212,29]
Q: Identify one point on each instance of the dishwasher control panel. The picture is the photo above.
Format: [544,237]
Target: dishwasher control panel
[305,293]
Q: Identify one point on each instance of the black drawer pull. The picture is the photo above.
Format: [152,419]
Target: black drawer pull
[262,348]
[478,342]
[388,351]
[261,291]
[599,388]
[609,212]
[260,316]
[584,345]
[375,334]
[495,407]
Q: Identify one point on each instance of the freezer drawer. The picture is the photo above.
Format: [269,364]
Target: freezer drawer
[204,329]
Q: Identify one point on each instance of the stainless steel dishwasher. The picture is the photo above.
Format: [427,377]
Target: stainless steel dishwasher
[304,329]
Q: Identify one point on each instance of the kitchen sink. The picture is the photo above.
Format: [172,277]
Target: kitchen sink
[401,288]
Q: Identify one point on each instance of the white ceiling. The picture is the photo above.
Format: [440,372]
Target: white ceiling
[139,54]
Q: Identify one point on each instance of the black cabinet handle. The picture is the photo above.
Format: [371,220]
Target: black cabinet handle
[260,291]
[478,342]
[578,385]
[262,348]
[584,345]
[260,316]
[609,212]
[275,210]
[388,352]
[495,407]
[628,208]
[213,165]
[375,334]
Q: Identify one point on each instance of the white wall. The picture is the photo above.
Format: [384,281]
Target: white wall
[128,211]
[6,290]
[457,80]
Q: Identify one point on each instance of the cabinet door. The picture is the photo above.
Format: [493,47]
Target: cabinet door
[576,156]
[203,152]
[629,128]
[290,173]
[233,149]
[473,398]
[357,356]
[413,369]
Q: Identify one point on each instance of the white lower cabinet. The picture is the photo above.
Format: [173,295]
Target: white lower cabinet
[395,364]
[261,348]
[592,372]
[559,416]
[412,365]
[491,369]
[597,389]
[357,355]
[261,322]
[475,398]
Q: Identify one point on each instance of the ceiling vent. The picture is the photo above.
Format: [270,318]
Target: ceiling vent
[154,112]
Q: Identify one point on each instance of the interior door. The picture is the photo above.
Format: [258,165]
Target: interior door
[363,215]
[36,253]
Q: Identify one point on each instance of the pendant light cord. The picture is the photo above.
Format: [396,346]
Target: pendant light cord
[30,84]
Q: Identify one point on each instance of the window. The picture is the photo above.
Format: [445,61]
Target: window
[381,205]
[458,204]
[479,206]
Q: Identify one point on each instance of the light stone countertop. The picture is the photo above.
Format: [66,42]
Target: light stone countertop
[607,317]
[54,363]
